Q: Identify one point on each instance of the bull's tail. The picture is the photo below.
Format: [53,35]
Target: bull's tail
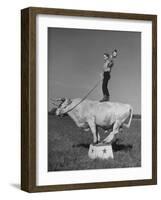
[131,114]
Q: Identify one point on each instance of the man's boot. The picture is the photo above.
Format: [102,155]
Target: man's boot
[105,98]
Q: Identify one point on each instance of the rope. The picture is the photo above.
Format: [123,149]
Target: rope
[95,86]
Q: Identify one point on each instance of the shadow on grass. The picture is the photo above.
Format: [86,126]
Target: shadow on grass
[116,146]
[121,147]
[81,145]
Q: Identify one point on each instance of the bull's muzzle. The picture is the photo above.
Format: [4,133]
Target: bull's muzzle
[59,113]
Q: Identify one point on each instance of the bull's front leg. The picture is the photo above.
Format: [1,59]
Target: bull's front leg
[92,125]
[110,137]
[98,135]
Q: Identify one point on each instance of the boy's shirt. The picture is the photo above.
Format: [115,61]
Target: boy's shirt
[108,65]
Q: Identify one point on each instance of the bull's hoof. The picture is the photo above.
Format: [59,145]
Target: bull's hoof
[109,139]
[94,143]
[106,142]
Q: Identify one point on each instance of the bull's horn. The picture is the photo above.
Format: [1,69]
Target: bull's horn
[55,104]
[58,99]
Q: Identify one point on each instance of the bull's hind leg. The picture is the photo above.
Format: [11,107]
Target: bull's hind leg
[110,137]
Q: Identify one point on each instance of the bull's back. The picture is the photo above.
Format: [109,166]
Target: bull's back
[106,113]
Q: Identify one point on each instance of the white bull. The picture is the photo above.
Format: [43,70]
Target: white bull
[93,114]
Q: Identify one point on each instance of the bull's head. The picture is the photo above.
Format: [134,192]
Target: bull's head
[63,106]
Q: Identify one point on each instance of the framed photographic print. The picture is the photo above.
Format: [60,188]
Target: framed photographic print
[88,99]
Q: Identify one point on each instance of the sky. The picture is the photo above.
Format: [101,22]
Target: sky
[75,61]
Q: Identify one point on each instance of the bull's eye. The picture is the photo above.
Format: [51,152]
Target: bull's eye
[64,106]
[60,105]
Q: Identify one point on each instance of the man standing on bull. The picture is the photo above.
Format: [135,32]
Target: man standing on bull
[106,74]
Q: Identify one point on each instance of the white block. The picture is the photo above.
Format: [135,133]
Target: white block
[102,151]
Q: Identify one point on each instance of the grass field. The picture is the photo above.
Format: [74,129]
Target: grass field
[68,146]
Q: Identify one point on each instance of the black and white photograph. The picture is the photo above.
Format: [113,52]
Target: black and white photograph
[89,99]
[94,99]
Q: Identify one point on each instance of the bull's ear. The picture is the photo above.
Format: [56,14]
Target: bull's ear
[69,101]
[63,99]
